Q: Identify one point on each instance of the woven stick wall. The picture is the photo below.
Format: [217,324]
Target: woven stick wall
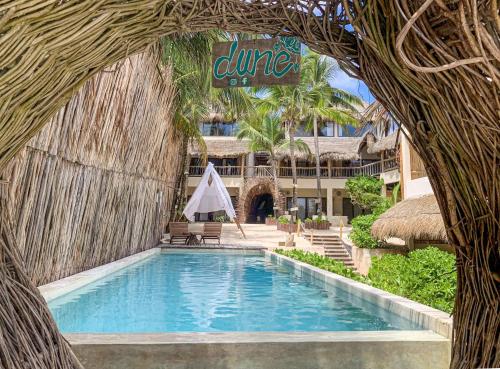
[432,63]
[84,191]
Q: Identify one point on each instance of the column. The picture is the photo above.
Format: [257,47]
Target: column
[329,202]
[250,164]
[242,166]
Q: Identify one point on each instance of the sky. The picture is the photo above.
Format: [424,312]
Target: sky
[343,81]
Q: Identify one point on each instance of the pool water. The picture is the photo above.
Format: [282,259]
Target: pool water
[215,292]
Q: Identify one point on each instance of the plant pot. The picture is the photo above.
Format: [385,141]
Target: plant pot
[271,221]
[323,225]
[290,228]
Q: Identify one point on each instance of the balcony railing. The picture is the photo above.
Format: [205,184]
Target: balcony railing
[227,171]
[390,164]
[372,169]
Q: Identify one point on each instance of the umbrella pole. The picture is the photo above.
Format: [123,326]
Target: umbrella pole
[240,228]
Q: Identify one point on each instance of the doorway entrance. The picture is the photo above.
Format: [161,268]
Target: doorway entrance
[260,208]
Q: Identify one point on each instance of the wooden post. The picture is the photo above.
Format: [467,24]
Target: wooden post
[240,228]
[242,158]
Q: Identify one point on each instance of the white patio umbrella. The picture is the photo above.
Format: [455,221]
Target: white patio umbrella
[211,195]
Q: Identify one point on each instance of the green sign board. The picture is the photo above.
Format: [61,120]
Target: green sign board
[263,62]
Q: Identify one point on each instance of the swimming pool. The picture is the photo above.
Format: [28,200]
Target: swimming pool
[215,291]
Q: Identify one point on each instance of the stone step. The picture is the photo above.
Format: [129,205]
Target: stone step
[339,257]
[337,253]
[325,237]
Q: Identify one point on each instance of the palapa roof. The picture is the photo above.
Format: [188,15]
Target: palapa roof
[416,218]
[335,148]
[222,147]
[385,143]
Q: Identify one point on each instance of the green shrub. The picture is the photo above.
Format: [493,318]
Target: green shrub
[270,216]
[308,220]
[362,226]
[365,191]
[322,262]
[220,218]
[427,276]
[361,231]
[283,220]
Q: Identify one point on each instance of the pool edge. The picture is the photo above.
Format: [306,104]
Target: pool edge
[61,287]
[425,316]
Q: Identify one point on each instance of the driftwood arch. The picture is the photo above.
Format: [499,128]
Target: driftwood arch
[254,187]
[433,63]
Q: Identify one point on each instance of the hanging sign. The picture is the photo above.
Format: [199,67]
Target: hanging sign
[263,62]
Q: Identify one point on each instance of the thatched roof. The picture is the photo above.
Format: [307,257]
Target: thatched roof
[386,143]
[335,148]
[222,147]
[416,218]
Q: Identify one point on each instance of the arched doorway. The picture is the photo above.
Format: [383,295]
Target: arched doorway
[260,207]
[258,199]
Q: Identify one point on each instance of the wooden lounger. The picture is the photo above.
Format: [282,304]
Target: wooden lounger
[211,231]
[179,231]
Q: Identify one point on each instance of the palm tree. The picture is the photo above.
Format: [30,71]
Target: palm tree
[325,103]
[288,103]
[266,134]
[195,99]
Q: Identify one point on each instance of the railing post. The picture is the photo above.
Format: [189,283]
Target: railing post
[329,168]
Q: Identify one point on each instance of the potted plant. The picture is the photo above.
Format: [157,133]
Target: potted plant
[271,220]
[308,223]
[285,225]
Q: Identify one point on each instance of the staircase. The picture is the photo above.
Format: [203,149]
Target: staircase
[333,247]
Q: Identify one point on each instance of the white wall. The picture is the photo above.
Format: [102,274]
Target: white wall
[411,187]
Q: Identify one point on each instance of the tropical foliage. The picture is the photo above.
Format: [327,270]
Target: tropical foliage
[364,191]
[187,55]
[266,134]
[325,103]
[322,262]
[427,276]
[312,102]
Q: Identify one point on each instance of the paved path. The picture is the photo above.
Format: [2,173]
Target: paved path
[257,235]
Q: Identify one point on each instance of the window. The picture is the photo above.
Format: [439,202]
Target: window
[218,129]
[327,130]
[307,206]
[300,131]
[346,131]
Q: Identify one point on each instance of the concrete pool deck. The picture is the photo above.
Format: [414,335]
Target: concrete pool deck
[318,350]
[424,349]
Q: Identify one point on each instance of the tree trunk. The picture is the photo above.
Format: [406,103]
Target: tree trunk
[291,135]
[318,168]
[274,164]
[29,337]
[462,160]
[180,183]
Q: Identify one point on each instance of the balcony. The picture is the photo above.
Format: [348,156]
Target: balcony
[225,171]
[372,169]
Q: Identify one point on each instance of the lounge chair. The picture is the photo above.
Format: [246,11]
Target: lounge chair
[211,231]
[179,231]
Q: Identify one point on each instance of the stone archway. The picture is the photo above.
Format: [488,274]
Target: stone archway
[254,187]
[433,64]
